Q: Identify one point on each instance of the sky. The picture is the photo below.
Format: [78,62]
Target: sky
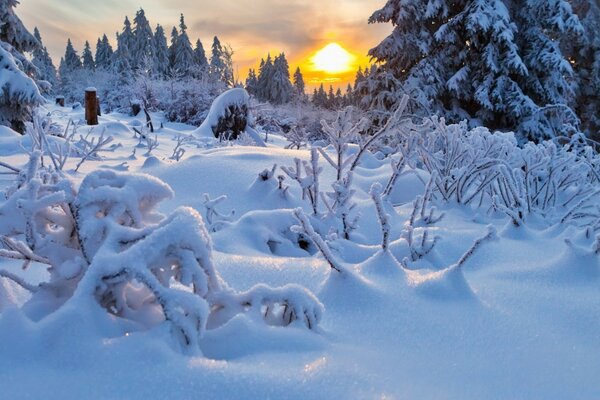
[253,28]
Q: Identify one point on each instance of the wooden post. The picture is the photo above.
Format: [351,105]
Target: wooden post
[91,106]
[60,101]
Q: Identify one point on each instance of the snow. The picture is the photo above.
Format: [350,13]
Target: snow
[518,319]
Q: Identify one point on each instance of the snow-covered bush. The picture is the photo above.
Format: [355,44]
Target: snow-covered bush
[106,241]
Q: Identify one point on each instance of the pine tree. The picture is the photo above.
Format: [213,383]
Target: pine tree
[550,83]
[43,62]
[20,93]
[477,59]
[173,47]
[72,62]
[161,52]
[320,97]
[125,45]
[252,82]
[88,58]
[281,88]
[299,85]
[184,54]
[265,79]
[217,64]
[104,54]
[200,58]
[584,55]
[142,50]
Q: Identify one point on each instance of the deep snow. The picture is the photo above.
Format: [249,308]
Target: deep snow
[520,320]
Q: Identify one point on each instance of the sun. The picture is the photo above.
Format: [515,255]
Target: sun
[333,59]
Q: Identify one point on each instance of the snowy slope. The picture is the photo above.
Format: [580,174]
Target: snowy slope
[519,320]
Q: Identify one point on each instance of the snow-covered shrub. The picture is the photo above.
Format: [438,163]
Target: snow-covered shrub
[106,241]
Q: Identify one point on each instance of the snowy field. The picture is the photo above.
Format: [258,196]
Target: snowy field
[518,319]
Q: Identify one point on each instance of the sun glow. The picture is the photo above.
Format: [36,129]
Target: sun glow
[333,59]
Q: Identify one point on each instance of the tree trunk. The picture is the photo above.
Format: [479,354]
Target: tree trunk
[91,106]
[60,100]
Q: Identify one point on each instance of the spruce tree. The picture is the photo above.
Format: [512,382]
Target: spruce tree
[252,82]
[217,64]
[46,70]
[479,60]
[72,62]
[125,46]
[184,54]
[200,59]
[161,52]
[142,50]
[265,79]
[104,54]
[88,58]
[21,94]
[299,85]
[281,88]
[173,47]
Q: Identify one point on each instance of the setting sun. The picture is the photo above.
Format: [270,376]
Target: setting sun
[333,59]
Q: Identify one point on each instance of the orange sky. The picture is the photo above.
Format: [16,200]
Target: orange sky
[253,28]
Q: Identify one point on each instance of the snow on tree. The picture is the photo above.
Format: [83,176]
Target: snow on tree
[43,62]
[142,51]
[584,56]
[184,54]
[161,52]
[200,58]
[88,58]
[265,78]
[229,117]
[252,82]
[72,62]
[173,47]
[488,61]
[123,56]
[217,63]
[299,85]
[544,26]
[281,89]
[104,54]
[19,93]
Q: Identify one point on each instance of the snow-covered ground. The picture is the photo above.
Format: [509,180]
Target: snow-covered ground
[519,320]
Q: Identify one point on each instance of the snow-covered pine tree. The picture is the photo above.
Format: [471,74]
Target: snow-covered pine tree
[483,66]
[200,59]
[217,64]
[228,74]
[173,47]
[584,56]
[43,62]
[282,90]
[72,62]
[184,54]
[15,38]
[142,52]
[122,57]
[161,52]
[490,61]
[104,54]
[19,93]
[88,58]
[299,84]
[125,44]
[265,78]
[252,82]
[320,97]
[544,26]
